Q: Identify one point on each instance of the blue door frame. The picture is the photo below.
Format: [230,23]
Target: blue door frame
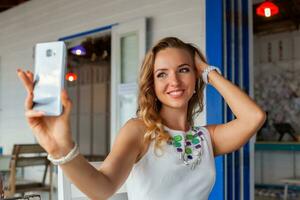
[227,46]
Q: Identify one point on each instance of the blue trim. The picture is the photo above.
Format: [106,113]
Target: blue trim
[246,83]
[237,175]
[215,54]
[228,51]
[236,43]
[214,51]
[103,28]
[245,39]
[236,67]
[247,171]
[230,166]
[229,176]
[228,44]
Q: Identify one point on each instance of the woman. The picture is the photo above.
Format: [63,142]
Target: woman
[161,153]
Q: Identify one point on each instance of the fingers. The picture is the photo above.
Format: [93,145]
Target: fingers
[29,75]
[200,63]
[28,101]
[197,61]
[66,102]
[26,79]
[34,113]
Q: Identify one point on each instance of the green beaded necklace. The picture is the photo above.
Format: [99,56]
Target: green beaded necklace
[189,148]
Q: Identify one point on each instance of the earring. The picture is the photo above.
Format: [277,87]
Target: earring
[194,92]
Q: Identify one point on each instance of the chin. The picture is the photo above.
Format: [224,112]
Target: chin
[176,105]
[173,103]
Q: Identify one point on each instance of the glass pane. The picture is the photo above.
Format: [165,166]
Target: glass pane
[129,58]
[128,107]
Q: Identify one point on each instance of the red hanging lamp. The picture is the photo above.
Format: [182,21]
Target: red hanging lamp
[267,9]
[70,76]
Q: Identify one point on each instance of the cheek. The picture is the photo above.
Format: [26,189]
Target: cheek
[191,81]
[157,86]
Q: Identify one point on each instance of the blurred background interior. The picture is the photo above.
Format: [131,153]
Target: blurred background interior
[104,97]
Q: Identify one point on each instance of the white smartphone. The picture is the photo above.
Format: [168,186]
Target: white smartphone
[49,73]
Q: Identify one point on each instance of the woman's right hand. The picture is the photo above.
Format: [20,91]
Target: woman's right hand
[52,133]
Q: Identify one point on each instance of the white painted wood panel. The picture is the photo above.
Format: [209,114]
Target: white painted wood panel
[41,20]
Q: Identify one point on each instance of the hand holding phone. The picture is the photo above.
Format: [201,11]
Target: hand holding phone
[45,99]
[49,72]
[52,133]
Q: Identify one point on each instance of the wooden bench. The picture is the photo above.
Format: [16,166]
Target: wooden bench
[24,156]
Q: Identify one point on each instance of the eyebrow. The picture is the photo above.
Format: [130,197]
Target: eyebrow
[165,69]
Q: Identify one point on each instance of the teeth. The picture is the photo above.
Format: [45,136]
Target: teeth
[176,93]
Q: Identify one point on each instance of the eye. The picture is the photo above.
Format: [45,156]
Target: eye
[184,69]
[161,75]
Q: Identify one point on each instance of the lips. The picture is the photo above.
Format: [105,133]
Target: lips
[175,93]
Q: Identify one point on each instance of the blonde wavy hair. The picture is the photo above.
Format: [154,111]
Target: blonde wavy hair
[148,104]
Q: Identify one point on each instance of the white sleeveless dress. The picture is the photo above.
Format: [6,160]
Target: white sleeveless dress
[168,178]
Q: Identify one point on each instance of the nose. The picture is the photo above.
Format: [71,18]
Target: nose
[174,79]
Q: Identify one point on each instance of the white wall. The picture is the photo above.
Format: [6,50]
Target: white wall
[41,20]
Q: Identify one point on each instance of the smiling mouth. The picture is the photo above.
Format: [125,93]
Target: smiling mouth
[176,93]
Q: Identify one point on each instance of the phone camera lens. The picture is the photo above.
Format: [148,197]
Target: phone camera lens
[49,53]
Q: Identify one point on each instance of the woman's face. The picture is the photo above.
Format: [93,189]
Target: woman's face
[174,77]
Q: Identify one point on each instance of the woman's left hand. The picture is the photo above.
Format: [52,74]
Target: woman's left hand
[200,64]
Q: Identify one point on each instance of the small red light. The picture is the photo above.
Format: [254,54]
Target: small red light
[71,77]
[267,9]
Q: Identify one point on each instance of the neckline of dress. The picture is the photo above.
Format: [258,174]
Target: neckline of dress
[177,131]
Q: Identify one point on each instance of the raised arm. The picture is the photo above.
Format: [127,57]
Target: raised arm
[103,183]
[250,117]
[54,135]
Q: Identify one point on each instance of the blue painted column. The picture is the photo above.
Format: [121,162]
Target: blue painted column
[227,46]
[214,102]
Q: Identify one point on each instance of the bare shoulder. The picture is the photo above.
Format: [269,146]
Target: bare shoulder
[128,143]
[136,121]
[134,126]
[133,131]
